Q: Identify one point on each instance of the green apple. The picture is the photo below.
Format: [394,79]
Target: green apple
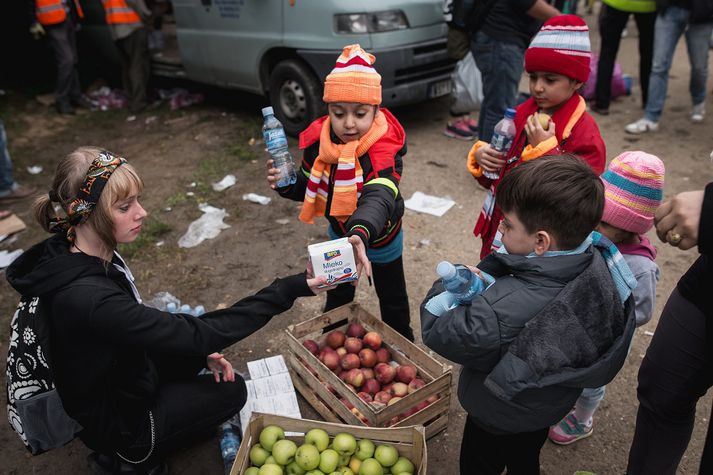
[271,460]
[315,472]
[365,449]
[403,465]
[284,451]
[370,467]
[251,471]
[344,444]
[270,469]
[386,455]
[354,464]
[258,455]
[270,435]
[317,437]
[328,461]
[344,460]
[294,469]
[307,457]
[346,471]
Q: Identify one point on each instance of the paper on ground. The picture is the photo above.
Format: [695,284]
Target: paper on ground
[6,258]
[207,226]
[226,182]
[255,198]
[429,204]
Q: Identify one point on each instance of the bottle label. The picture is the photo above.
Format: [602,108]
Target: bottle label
[275,139]
[501,143]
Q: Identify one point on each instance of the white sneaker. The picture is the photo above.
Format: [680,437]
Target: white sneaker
[698,112]
[642,126]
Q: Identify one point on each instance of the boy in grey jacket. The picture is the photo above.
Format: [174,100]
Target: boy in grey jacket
[559,317]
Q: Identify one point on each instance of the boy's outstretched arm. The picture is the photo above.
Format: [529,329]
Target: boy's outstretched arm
[467,334]
[374,208]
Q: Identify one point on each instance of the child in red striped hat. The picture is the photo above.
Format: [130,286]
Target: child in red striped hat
[553,121]
[351,168]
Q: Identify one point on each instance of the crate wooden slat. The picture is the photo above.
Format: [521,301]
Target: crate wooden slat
[409,441]
[310,376]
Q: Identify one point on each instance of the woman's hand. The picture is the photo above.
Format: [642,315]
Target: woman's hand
[677,220]
[534,131]
[272,174]
[362,261]
[217,364]
[490,159]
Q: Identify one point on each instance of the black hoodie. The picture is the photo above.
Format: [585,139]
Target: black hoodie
[110,353]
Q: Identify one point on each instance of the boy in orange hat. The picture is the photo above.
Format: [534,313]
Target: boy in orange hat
[351,168]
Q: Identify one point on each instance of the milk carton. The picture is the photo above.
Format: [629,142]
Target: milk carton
[334,260]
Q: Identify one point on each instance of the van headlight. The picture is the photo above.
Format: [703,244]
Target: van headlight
[377,22]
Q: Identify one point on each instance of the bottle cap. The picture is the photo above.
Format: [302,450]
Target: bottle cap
[446,270]
[510,113]
[267,111]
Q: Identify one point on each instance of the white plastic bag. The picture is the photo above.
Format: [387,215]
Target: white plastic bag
[467,90]
[207,226]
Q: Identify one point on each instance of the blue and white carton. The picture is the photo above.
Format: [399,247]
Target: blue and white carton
[334,260]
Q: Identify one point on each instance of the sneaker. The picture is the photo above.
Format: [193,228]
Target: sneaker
[472,125]
[458,129]
[698,112]
[642,126]
[569,430]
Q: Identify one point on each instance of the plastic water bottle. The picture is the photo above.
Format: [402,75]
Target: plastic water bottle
[198,310]
[461,281]
[276,143]
[229,445]
[503,135]
[171,307]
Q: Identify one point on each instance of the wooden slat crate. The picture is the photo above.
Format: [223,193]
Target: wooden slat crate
[312,384]
[409,441]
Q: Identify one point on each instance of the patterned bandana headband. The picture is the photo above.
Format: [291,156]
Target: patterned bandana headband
[90,191]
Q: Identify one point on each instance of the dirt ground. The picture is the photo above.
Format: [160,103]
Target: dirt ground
[173,149]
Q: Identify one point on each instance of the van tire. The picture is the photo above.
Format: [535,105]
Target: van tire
[295,94]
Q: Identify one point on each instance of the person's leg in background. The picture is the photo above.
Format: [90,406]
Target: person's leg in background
[479,451]
[390,284]
[645,24]
[65,54]
[675,373]
[9,189]
[139,68]
[697,42]
[611,24]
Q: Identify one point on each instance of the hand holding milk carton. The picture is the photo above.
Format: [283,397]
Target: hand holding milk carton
[339,260]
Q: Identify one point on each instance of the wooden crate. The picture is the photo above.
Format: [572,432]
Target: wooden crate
[409,441]
[437,376]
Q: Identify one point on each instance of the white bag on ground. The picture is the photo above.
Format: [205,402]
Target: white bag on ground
[467,90]
[207,226]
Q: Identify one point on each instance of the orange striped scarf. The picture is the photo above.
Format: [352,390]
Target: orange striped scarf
[348,179]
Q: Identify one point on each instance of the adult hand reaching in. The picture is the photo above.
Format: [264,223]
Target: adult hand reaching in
[362,261]
[678,219]
[217,364]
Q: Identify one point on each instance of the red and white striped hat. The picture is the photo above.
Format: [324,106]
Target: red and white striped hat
[353,78]
[561,46]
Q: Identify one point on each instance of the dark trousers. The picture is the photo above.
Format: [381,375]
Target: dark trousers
[611,24]
[675,373]
[135,67]
[186,411]
[63,40]
[484,453]
[390,286]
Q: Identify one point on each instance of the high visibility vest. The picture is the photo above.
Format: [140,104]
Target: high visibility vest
[51,12]
[633,6]
[117,11]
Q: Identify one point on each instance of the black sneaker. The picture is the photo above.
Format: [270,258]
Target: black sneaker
[599,110]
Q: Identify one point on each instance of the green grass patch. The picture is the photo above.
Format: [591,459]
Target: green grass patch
[152,232]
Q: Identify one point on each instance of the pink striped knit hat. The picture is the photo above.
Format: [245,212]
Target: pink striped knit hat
[561,46]
[633,189]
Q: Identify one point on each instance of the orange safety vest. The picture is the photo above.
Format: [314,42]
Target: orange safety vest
[117,11]
[51,12]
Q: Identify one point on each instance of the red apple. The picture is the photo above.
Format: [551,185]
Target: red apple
[312,346]
[408,413]
[331,360]
[387,387]
[433,399]
[371,386]
[366,397]
[399,389]
[352,388]
[393,400]
[383,355]
[355,330]
[382,396]
[335,339]
[405,373]
[349,405]
[349,361]
[416,384]
[367,356]
[394,420]
[368,373]
[341,351]
[343,375]
[372,340]
[353,345]
[384,373]
[377,406]
[421,405]
[355,378]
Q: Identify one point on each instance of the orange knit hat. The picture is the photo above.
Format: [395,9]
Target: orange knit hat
[353,78]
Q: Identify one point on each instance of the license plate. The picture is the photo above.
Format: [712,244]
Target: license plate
[440,88]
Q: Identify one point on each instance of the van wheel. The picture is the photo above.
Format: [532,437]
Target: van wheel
[296,95]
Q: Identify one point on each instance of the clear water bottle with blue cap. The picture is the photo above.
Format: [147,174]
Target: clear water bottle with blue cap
[276,143]
[462,282]
[229,444]
[503,136]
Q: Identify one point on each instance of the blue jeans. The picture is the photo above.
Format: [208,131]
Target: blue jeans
[590,399]
[6,181]
[670,25]
[501,65]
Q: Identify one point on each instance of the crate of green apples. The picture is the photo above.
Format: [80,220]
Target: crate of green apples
[354,369]
[277,445]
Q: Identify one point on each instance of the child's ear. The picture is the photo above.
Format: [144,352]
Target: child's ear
[544,242]
[576,84]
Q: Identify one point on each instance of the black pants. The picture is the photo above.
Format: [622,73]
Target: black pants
[484,453]
[135,67]
[185,412]
[63,40]
[611,24]
[675,373]
[390,286]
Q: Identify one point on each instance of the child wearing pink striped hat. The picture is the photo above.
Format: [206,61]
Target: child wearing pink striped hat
[633,189]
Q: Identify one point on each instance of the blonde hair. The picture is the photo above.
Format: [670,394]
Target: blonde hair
[70,175]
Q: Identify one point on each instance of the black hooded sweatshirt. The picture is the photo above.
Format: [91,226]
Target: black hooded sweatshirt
[110,353]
